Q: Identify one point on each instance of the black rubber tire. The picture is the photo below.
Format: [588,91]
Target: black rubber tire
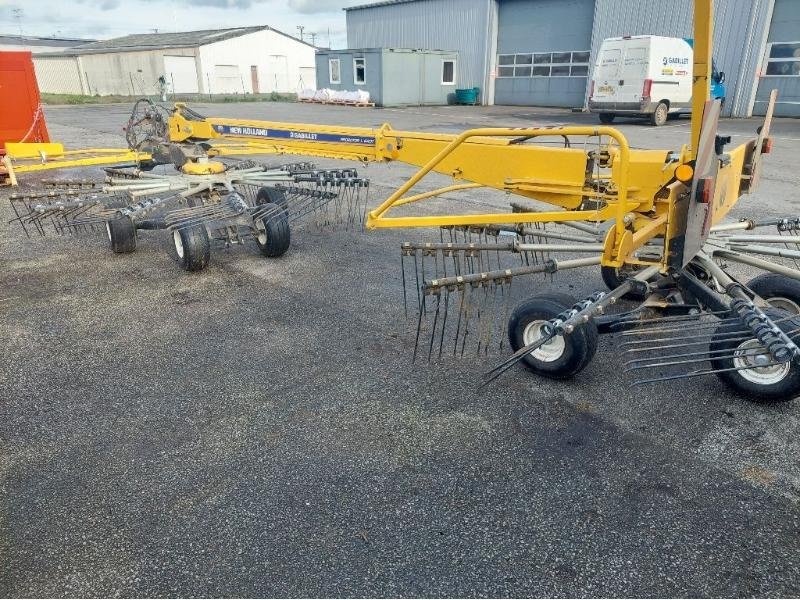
[580,345]
[660,114]
[273,235]
[772,285]
[194,251]
[122,234]
[606,118]
[613,279]
[787,388]
[272,195]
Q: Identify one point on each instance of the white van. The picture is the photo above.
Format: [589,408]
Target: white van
[645,75]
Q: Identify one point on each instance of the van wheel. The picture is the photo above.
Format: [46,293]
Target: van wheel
[659,116]
[607,118]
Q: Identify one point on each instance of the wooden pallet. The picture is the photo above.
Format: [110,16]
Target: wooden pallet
[338,102]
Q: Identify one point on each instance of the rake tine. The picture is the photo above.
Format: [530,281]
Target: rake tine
[738,338]
[458,322]
[506,311]
[705,358]
[444,321]
[630,343]
[671,356]
[678,318]
[514,359]
[648,330]
[492,313]
[416,274]
[435,320]
[403,272]
[701,373]
[468,289]
[416,338]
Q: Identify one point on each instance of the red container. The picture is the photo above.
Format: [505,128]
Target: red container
[21,116]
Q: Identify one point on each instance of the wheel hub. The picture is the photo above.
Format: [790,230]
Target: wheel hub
[786,304]
[176,238]
[262,232]
[549,351]
[754,364]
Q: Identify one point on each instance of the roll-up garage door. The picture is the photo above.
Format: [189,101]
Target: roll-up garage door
[181,74]
[543,52]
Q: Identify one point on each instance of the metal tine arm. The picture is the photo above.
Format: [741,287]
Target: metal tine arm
[702,373]
[648,330]
[758,239]
[718,354]
[629,343]
[671,319]
[735,338]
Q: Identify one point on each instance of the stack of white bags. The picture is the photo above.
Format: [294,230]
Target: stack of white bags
[327,95]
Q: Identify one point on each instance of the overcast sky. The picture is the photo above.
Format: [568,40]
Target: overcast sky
[112,18]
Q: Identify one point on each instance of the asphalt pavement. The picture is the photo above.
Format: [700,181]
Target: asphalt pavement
[259,429]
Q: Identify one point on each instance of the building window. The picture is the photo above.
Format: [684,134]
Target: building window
[783,59]
[448,72]
[359,71]
[334,70]
[544,64]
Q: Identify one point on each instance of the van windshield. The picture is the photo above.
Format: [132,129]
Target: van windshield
[608,64]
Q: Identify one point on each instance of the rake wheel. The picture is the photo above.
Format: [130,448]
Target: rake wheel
[122,235]
[780,291]
[563,356]
[272,234]
[765,380]
[614,277]
[272,195]
[193,248]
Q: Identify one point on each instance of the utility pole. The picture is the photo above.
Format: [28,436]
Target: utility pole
[301,28]
[313,39]
[17,12]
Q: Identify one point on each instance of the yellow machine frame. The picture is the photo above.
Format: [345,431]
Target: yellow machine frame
[636,189]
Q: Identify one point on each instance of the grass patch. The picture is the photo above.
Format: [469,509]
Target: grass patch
[205,98]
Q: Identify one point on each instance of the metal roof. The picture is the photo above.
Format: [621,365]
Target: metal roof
[383,3]
[152,41]
[157,41]
[32,40]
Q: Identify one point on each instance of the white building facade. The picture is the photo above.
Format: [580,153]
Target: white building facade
[245,60]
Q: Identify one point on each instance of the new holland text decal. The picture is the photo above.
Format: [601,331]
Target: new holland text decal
[240,130]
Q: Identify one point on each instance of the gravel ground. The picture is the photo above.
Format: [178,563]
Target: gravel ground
[259,429]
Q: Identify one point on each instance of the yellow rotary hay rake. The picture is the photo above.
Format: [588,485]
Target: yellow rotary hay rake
[652,220]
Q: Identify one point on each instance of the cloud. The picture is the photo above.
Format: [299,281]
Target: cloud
[311,7]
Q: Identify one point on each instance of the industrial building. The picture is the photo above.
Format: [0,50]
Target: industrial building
[541,52]
[243,60]
[392,76]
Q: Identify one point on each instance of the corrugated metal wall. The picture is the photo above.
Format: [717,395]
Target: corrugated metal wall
[739,29]
[785,28]
[58,75]
[461,25]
